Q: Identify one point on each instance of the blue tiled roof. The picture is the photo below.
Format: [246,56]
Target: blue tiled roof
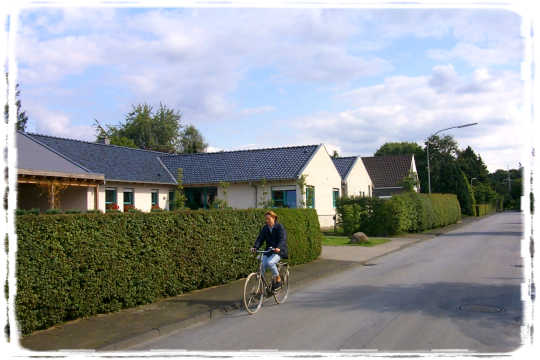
[344,164]
[115,162]
[245,165]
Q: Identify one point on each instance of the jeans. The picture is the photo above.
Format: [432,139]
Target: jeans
[270,261]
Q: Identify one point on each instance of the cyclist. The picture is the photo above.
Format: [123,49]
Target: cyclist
[273,233]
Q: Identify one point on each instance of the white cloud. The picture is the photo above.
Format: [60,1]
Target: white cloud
[412,108]
[257,110]
[479,56]
[189,62]
[56,123]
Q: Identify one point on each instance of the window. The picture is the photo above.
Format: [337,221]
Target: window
[335,196]
[110,196]
[155,197]
[284,198]
[128,197]
[310,197]
[200,197]
[171,200]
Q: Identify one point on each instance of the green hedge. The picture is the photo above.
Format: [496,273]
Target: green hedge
[77,265]
[485,209]
[407,212]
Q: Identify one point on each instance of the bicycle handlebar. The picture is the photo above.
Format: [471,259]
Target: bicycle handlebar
[269,250]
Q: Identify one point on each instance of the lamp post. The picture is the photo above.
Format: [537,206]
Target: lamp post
[472,180]
[427,148]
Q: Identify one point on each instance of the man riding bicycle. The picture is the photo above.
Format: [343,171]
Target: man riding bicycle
[275,237]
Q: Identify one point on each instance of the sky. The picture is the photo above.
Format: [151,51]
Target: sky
[352,79]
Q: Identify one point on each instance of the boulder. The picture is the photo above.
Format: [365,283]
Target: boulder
[358,237]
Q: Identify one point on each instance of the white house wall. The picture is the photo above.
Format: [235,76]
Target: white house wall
[238,196]
[142,197]
[322,174]
[358,180]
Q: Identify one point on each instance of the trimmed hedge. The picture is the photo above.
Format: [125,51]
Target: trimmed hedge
[77,265]
[407,212]
[485,209]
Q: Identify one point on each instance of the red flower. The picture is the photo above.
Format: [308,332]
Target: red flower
[112,206]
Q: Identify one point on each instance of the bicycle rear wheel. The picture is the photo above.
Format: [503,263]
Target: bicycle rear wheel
[253,293]
[281,295]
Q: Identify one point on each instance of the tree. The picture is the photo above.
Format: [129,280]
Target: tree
[22,118]
[192,141]
[410,181]
[484,193]
[399,148]
[146,129]
[472,165]
[335,154]
[179,201]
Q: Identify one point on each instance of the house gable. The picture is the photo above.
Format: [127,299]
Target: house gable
[388,171]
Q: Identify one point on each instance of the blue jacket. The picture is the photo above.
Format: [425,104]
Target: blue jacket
[276,239]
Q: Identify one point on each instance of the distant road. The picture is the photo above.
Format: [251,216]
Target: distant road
[460,290]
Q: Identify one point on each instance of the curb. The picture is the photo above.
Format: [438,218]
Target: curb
[169,329]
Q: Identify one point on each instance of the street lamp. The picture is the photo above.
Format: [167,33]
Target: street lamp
[472,180]
[427,148]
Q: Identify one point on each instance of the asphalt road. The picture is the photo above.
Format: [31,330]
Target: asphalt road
[444,293]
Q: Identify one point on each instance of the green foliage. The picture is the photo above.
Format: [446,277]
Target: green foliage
[472,165]
[53,212]
[22,118]
[147,129]
[72,266]
[485,209]
[484,193]
[72,211]
[221,203]
[180,199]
[94,212]
[27,212]
[264,201]
[410,181]
[407,212]
[399,148]
[192,141]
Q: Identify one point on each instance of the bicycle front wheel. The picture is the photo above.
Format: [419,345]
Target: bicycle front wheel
[253,293]
[281,295]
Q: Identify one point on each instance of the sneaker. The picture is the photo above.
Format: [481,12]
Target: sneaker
[276,286]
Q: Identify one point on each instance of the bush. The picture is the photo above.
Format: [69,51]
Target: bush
[84,264]
[407,212]
[53,212]
[27,212]
[94,212]
[72,211]
[486,209]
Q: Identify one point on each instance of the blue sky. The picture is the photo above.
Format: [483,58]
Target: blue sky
[246,78]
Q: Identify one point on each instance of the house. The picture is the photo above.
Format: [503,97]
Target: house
[355,179]
[115,175]
[97,176]
[261,178]
[387,173]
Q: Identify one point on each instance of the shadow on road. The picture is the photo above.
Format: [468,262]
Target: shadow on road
[483,233]
[435,299]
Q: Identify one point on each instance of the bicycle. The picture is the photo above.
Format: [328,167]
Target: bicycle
[257,288]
